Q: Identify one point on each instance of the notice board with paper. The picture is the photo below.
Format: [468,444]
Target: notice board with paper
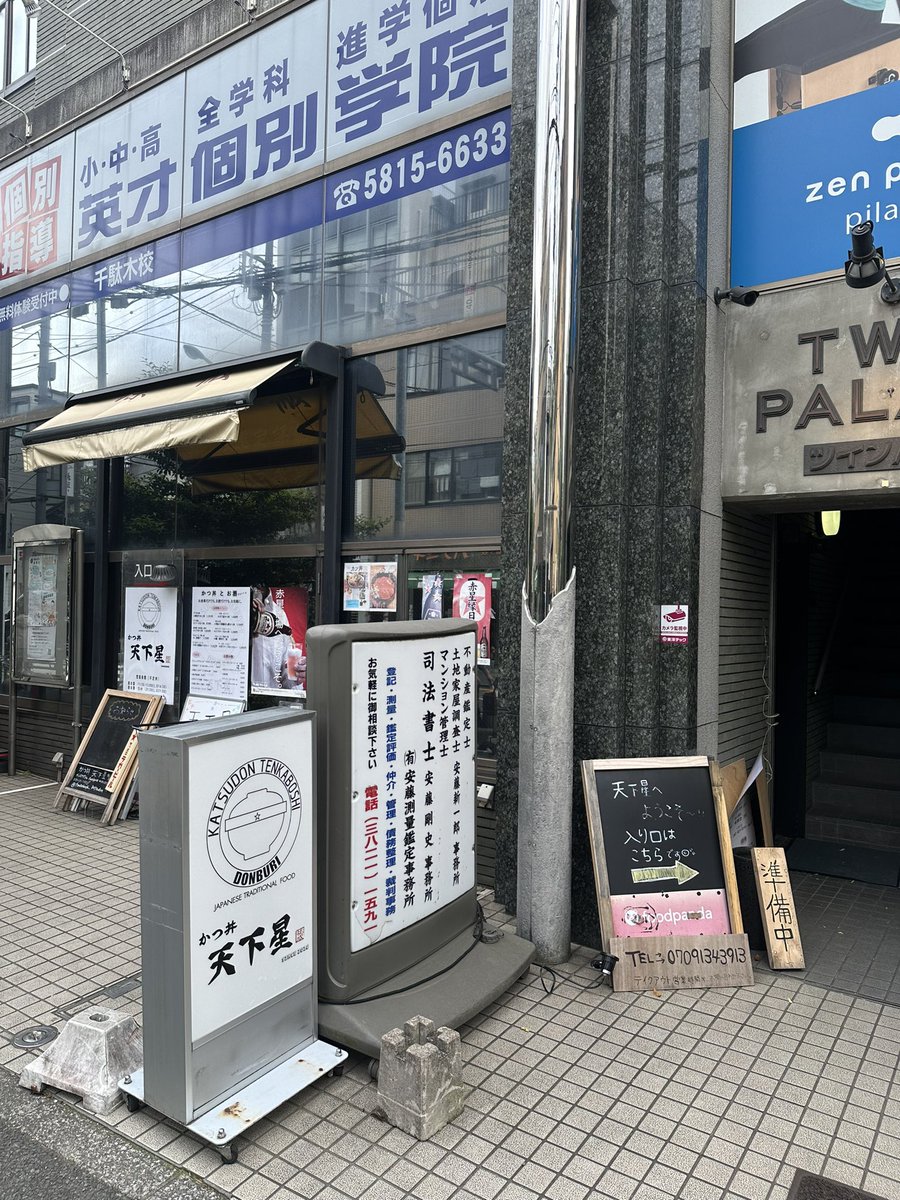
[666,888]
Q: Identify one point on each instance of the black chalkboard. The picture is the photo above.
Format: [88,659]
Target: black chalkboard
[659,824]
[106,740]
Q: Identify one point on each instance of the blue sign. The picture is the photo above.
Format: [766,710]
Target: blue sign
[36,302]
[800,182]
[128,270]
[426,164]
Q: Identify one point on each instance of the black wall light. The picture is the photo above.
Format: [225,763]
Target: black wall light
[746,297]
[865,267]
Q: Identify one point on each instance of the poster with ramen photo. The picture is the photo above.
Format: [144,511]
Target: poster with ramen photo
[370,587]
[279,616]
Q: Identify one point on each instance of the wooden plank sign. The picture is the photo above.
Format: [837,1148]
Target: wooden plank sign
[664,872]
[104,763]
[776,903]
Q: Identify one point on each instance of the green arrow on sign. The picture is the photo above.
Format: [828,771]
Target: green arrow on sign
[679,872]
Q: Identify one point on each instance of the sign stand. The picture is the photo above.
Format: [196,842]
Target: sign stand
[228,937]
[666,888]
[396,709]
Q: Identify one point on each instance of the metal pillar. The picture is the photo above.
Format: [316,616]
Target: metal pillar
[548,600]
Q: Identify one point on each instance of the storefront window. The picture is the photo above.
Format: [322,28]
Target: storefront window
[446,398]
[161,508]
[433,581]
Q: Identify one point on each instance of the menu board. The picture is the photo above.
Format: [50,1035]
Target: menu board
[220,642]
[103,762]
[664,868]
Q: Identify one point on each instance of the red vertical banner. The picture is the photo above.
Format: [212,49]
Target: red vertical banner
[472,602]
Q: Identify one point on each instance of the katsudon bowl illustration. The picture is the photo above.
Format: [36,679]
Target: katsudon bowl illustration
[253,822]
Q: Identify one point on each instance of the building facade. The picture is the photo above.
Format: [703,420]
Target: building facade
[278,175]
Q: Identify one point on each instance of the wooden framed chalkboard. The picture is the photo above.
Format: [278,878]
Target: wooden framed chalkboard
[105,761]
[664,872]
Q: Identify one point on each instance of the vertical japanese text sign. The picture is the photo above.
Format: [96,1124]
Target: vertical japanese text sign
[413,781]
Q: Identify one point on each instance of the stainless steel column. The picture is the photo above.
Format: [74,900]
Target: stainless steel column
[548,600]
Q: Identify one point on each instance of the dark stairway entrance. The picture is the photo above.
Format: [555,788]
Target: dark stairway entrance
[855,799]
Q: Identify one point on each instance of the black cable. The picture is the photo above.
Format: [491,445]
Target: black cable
[477,931]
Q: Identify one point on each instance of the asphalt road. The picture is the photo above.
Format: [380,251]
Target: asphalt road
[49,1150]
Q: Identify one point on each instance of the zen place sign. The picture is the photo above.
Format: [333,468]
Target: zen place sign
[812,396]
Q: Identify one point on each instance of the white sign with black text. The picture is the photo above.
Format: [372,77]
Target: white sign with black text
[220,642]
[413,781]
[151,634]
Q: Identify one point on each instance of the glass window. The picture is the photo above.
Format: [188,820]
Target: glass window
[446,399]
[425,259]
[19,41]
[161,508]
[34,365]
[264,293]
[124,318]
[460,473]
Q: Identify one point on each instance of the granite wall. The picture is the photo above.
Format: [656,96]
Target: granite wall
[646,512]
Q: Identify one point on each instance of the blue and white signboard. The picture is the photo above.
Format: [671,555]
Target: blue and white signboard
[255,113]
[421,165]
[326,81]
[395,66]
[128,170]
[816,143]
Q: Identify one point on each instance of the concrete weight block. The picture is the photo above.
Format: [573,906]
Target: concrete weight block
[95,1049]
[420,1083]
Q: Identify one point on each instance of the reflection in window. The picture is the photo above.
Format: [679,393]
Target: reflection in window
[130,335]
[34,358]
[446,399]
[160,509]
[460,473]
[251,280]
[253,301]
[430,257]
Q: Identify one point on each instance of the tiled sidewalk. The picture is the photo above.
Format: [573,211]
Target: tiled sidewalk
[701,1095]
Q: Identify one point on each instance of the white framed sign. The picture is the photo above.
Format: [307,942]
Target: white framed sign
[220,642]
[413,781]
[250,910]
[151,637]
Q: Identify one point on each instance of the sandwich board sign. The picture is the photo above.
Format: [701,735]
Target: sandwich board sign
[663,866]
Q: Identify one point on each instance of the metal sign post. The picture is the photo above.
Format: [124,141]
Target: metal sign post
[228,888]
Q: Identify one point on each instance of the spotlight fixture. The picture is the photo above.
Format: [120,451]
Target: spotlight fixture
[865,267]
[605,964]
[745,297]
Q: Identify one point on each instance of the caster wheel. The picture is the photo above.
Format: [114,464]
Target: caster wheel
[338,1070]
[133,1104]
[373,1069]
[229,1153]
